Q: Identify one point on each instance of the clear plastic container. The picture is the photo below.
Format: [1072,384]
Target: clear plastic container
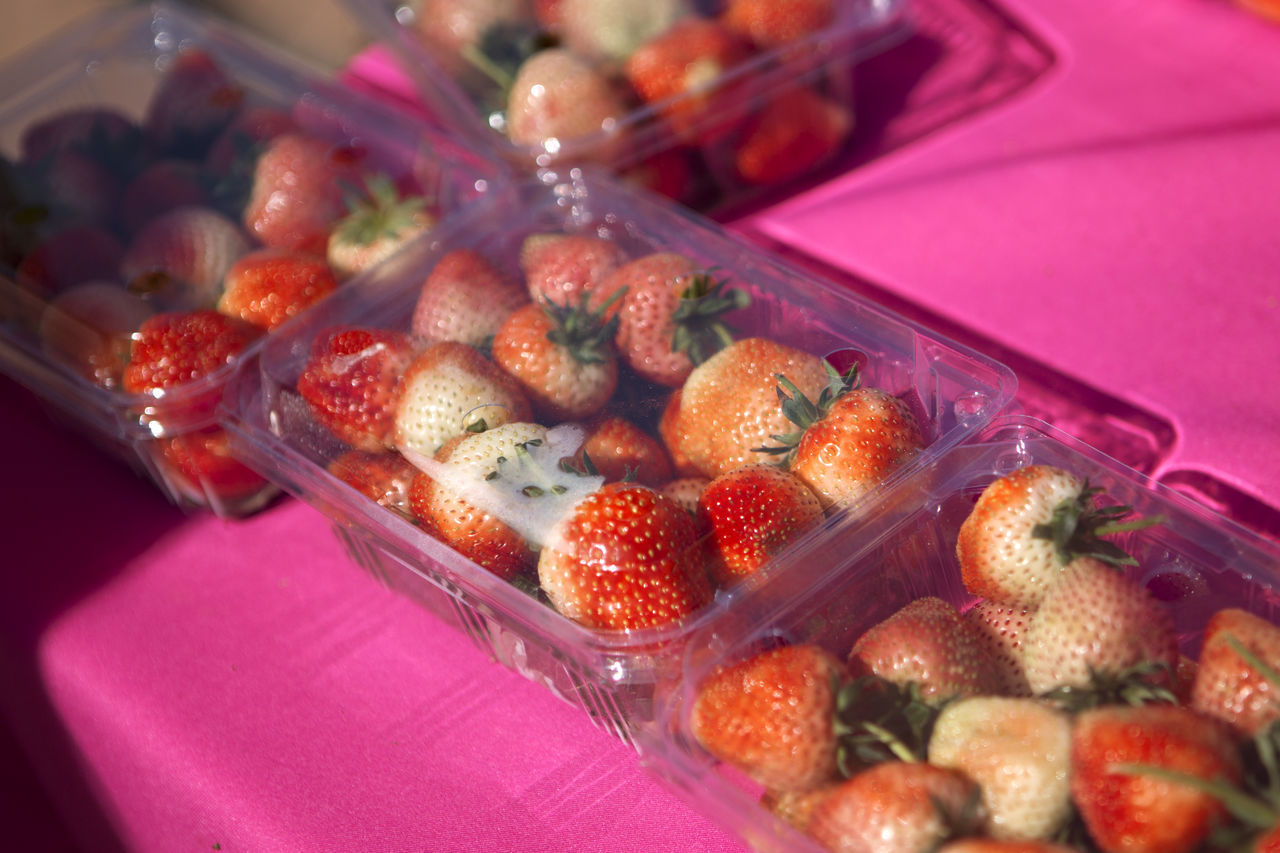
[711,105]
[128,148]
[1194,562]
[610,673]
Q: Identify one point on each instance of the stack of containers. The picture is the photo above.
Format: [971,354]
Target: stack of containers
[133,146]
[713,104]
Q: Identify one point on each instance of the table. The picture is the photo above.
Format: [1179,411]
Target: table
[180,682]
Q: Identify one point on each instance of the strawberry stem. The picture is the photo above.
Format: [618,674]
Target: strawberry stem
[1078,523]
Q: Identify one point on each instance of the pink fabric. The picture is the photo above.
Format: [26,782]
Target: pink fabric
[1117,222]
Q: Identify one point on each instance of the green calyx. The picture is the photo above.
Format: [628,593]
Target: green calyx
[1078,525]
[803,412]
[699,331]
[586,332]
[878,720]
[1140,684]
[377,211]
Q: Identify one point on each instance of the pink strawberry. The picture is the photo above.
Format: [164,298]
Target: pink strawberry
[671,315]
[196,100]
[1026,527]
[729,404]
[624,558]
[466,298]
[181,257]
[928,644]
[773,716]
[753,512]
[1237,678]
[1096,622]
[562,358]
[378,223]
[686,491]
[619,450]
[298,191]
[160,187]
[1001,629]
[792,134]
[266,287]
[88,327]
[560,268]
[458,31]
[559,96]
[1018,750]
[449,389]
[351,383]
[897,807]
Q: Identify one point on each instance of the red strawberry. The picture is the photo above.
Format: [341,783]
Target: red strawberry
[563,358]
[849,440]
[175,348]
[466,298]
[1127,810]
[378,223]
[618,450]
[298,191]
[671,315]
[625,558]
[351,383]
[897,807]
[1018,750]
[160,187]
[612,31]
[790,135]
[668,172]
[559,96]
[1097,622]
[560,268]
[1236,680]
[196,100]
[449,389]
[754,512]
[1001,628]
[548,14]
[772,23]
[201,466]
[688,62]
[729,404]
[447,514]
[88,327]
[928,644]
[268,286]
[381,476]
[181,257]
[773,716]
[1027,526]
[669,432]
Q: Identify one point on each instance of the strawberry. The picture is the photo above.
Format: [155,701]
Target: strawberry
[560,268]
[1236,680]
[102,131]
[88,327]
[753,512]
[351,383]
[1132,811]
[67,257]
[1097,623]
[563,358]
[266,287]
[625,558]
[668,172]
[202,468]
[1026,527]
[466,298]
[298,191]
[897,807]
[686,491]
[994,845]
[70,186]
[670,318]
[557,96]
[449,389]
[773,716]
[237,147]
[791,134]
[445,513]
[772,23]
[729,404]
[382,476]
[548,14]
[614,29]
[669,432]
[797,807]
[196,100]
[160,187]
[849,440]
[688,62]
[620,450]
[928,644]
[459,32]
[180,258]
[175,348]
[1001,629]
[1018,750]
[378,223]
